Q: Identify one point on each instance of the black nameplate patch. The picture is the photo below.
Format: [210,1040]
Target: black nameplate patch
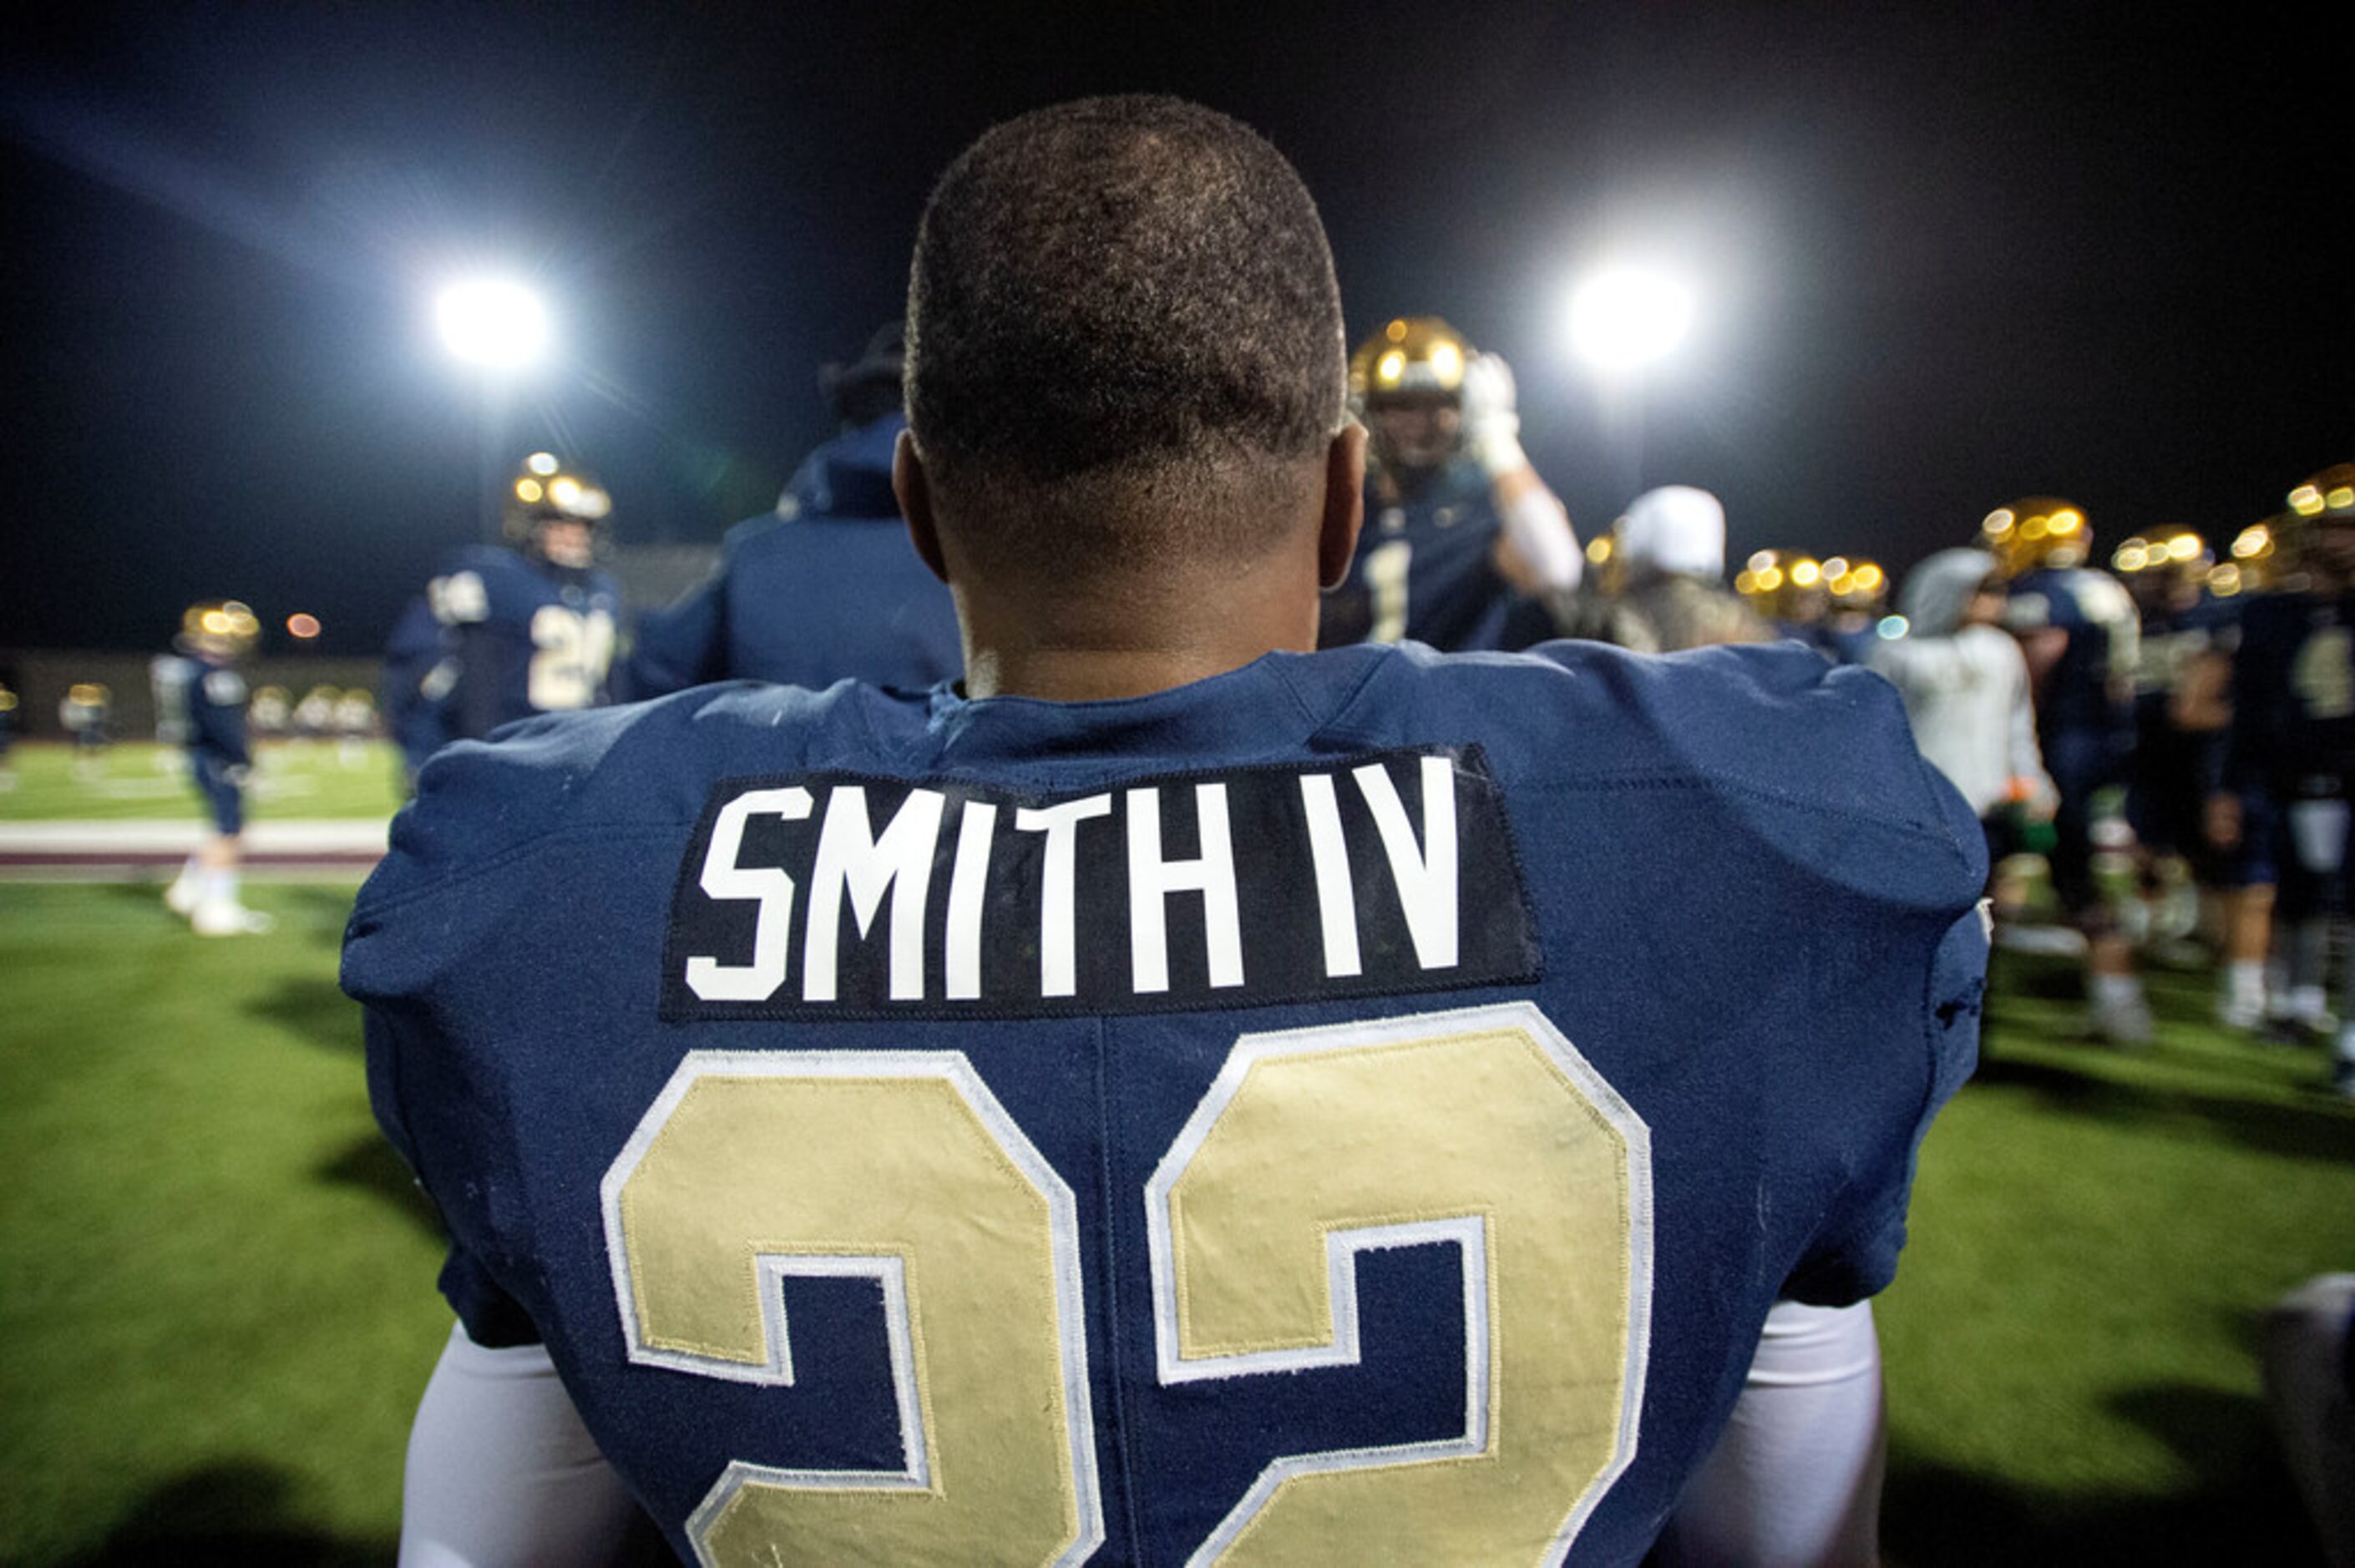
[847,895]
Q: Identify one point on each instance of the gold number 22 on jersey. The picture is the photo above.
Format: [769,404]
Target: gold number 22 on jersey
[1482,1129]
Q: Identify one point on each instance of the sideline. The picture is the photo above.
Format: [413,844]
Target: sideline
[133,850]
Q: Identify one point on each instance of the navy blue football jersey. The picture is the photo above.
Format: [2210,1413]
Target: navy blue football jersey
[834,590]
[2090,690]
[211,707]
[526,637]
[2293,696]
[207,698]
[414,689]
[2171,640]
[1425,571]
[1360,1107]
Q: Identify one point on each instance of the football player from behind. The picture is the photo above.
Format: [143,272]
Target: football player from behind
[1197,1157]
[1965,684]
[210,709]
[1834,606]
[84,713]
[530,629]
[2182,679]
[2237,824]
[827,585]
[1668,556]
[1462,541]
[2079,633]
[2293,743]
[418,673]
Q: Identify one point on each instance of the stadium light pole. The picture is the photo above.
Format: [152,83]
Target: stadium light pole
[1625,319]
[500,327]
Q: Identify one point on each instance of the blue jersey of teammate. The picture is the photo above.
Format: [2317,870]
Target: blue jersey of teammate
[1365,1101]
[1426,570]
[527,636]
[2084,700]
[207,697]
[2293,696]
[829,588]
[414,689]
[2179,753]
[1842,645]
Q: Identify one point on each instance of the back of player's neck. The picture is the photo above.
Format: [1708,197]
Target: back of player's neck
[1078,675]
[1090,644]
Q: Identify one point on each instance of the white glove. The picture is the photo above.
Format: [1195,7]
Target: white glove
[1492,424]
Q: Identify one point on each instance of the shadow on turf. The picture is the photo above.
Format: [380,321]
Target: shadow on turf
[2240,1507]
[370,1165]
[2323,1134]
[315,1009]
[227,1513]
[239,1513]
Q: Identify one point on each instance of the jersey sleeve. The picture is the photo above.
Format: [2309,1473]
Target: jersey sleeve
[448,881]
[679,647]
[1855,1252]
[460,596]
[1917,898]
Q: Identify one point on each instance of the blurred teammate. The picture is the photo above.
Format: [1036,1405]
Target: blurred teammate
[1195,1155]
[2182,723]
[167,686]
[2293,747]
[1966,689]
[354,726]
[826,586]
[415,683]
[1462,541]
[1787,589]
[530,629]
[314,715]
[8,706]
[269,713]
[2078,630]
[2239,822]
[85,713]
[211,697]
[1860,591]
[1669,559]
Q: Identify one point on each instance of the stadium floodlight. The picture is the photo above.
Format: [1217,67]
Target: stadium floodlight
[1624,317]
[492,321]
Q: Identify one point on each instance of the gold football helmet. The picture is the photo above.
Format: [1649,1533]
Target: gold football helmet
[2258,559]
[1856,583]
[2038,531]
[2328,496]
[221,627]
[548,491]
[1785,585]
[2171,551]
[1412,355]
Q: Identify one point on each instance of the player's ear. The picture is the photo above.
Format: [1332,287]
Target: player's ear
[914,486]
[1345,505]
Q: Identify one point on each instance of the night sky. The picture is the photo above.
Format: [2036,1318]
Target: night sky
[1944,261]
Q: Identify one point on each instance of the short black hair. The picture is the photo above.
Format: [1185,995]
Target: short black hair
[1122,316]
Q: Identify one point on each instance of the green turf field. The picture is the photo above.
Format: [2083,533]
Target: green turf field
[218,1307]
[2071,1343]
[140,780]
